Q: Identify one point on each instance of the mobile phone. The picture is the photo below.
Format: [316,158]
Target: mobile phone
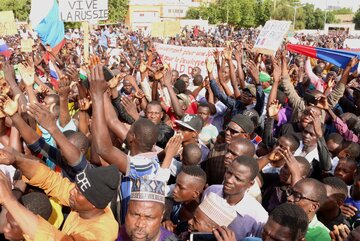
[309,98]
[202,236]
[107,74]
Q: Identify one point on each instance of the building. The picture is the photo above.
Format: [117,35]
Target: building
[142,13]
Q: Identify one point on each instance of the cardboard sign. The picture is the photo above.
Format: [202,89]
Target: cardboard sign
[184,59]
[157,29]
[271,37]
[171,28]
[83,10]
[7,23]
[26,45]
[352,44]
[165,29]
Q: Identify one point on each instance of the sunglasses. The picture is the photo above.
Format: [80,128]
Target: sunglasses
[233,131]
[297,196]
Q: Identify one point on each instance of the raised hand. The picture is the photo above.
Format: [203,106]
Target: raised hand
[72,73]
[9,106]
[130,107]
[224,234]
[142,67]
[95,60]
[253,70]
[331,83]
[276,69]
[167,77]
[9,73]
[227,54]
[238,55]
[84,104]
[322,102]
[274,108]
[340,233]
[139,94]
[290,160]
[209,65]
[42,115]
[174,145]
[27,73]
[217,55]
[64,86]
[348,210]
[169,225]
[353,61]
[275,154]
[98,85]
[4,86]
[42,89]
[114,82]
[317,123]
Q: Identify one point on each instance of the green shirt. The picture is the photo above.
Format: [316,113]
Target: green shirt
[317,231]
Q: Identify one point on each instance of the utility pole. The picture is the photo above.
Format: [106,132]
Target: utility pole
[227,12]
[326,6]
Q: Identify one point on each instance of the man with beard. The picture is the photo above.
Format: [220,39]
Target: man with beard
[145,212]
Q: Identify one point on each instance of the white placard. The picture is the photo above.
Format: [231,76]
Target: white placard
[271,36]
[83,10]
[352,44]
[184,59]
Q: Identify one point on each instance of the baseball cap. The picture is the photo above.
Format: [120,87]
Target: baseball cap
[192,122]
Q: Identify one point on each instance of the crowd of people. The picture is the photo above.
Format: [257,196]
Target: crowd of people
[121,146]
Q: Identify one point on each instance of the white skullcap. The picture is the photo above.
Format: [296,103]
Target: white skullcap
[218,210]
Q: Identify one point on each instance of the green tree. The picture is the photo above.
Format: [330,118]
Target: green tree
[118,10]
[356,19]
[342,11]
[21,8]
[193,13]
[262,11]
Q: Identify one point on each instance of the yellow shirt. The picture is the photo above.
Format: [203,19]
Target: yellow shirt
[102,227]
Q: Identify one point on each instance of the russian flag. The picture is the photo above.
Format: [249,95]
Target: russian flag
[336,57]
[4,49]
[54,77]
[45,20]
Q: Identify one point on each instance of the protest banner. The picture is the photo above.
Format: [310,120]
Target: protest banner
[26,45]
[83,10]
[7,23]
[271,37]
[184,59]
[352,44]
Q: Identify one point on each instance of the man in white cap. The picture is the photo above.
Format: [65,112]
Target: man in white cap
[239,177]
[214,213]
[145,212]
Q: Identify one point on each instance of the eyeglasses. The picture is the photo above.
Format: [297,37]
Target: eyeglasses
[233,131]
[297,196]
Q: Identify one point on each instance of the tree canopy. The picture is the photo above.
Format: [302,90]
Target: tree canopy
[252,13]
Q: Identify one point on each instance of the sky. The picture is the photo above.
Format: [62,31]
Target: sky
[354,4]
